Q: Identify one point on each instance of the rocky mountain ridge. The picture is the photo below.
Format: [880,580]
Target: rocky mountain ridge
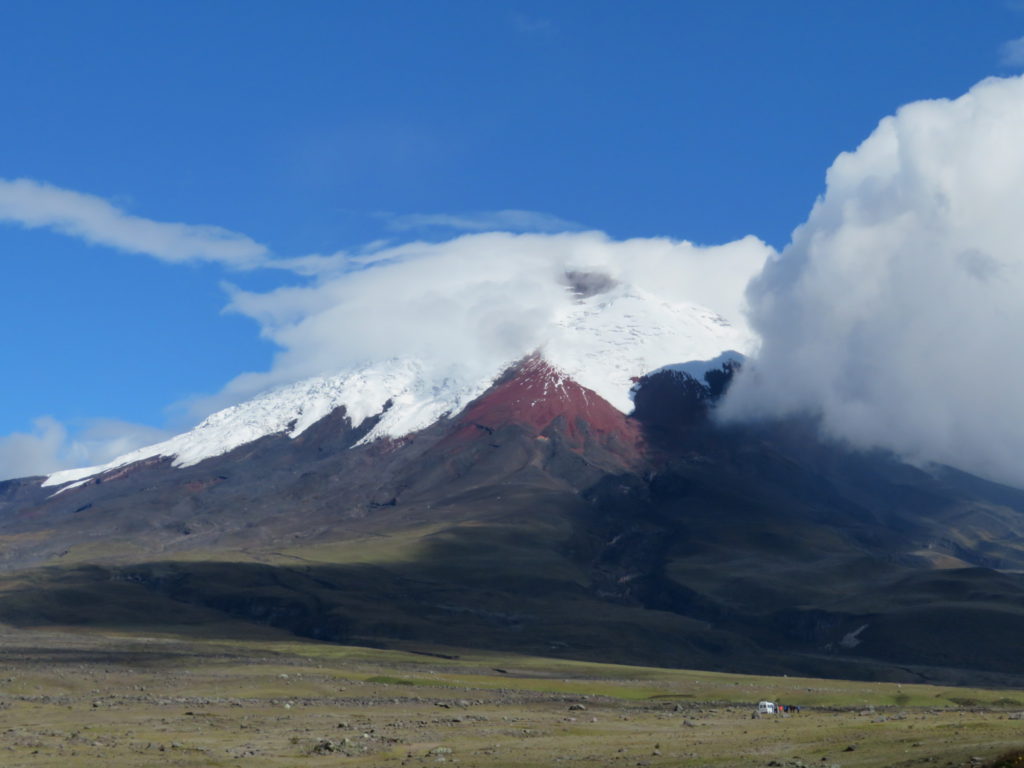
[542,519]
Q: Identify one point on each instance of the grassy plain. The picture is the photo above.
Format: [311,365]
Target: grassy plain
[76,699]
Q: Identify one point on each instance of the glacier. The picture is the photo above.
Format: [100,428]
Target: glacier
[603,342]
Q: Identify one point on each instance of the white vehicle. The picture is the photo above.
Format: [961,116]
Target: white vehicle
[767,708]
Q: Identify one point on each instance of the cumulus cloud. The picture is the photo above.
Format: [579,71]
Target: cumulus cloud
[474,302]
[896,312]
[51,446]
[509,220]
[35,204]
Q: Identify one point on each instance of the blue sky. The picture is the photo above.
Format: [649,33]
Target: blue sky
[314,127]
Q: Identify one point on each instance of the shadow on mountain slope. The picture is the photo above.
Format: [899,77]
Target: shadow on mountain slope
[619,574]
[665,539]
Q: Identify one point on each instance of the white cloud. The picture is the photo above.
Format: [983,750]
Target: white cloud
[473,302]
[1011,53]
[509,220]
[896,312]
[35,204]
[23,454]
[50,446]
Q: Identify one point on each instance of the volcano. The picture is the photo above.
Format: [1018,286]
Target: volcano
[582,501]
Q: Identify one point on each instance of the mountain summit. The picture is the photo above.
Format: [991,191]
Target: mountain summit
[579,500]
[612,334]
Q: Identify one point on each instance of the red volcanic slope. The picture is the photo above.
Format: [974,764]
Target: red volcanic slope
[535,395]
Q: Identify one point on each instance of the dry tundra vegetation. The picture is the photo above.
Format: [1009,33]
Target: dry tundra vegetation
[76,698]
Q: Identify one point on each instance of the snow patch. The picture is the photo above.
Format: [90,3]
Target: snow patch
[698,368]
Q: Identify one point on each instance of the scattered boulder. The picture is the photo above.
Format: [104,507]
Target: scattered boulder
[325,747]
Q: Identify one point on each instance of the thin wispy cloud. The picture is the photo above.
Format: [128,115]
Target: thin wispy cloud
[314,264]
[508,220]
[35,204]
[1011,53]
[38,205]
[533,26]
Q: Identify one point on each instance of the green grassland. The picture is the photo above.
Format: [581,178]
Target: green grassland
[518,584]
[74,698]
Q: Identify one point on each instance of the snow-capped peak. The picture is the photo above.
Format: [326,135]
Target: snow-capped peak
[602,341]
[607,340]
